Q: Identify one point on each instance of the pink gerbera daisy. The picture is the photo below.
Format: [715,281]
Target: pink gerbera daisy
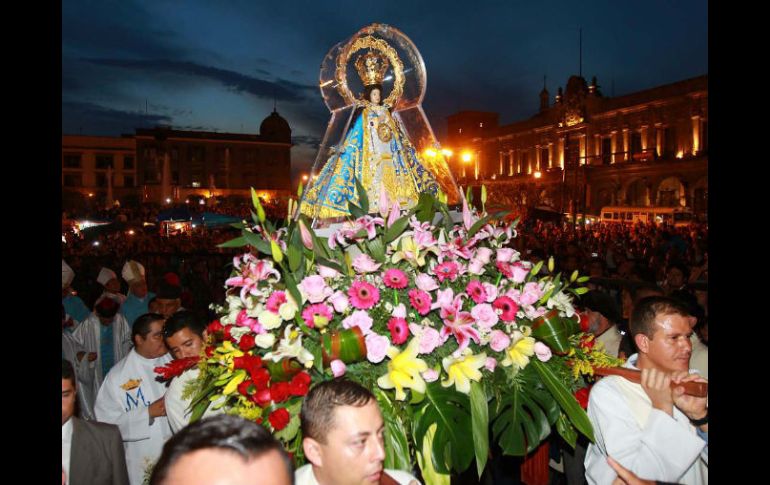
[275,301]
[363,296]
[507,307]
[399,330]
[317,315]
[420,300]
[476,291]
[395,278]
[446,270]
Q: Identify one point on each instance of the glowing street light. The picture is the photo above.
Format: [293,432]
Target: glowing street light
[538,174]
[91,194]
[447,153]
[168,200]
[466,157]
[304,177]
[430,153]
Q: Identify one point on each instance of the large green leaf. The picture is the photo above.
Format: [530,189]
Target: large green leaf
[234,243]
[355,210]
[566,430]
[480,425]
[330,264]
[294,251]
[521,423]
[376,249]
[258,242]
[429,474]
[476,227]
[424,208]
[363,198]
[396,229]
[450,411]
[566,400]
[397,454]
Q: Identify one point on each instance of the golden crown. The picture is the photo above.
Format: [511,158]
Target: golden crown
[371,68]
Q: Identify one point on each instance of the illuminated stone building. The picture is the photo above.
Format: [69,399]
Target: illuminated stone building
[587,151]
[87,161]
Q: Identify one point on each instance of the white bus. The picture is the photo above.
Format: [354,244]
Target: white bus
[678,216]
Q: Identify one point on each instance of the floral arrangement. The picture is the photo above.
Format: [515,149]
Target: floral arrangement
[461,340]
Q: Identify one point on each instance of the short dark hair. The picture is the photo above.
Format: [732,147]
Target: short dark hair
[67,371]
[223,432]
[643,317]
[681,267]
[183,319]
[142,324]
[646,289]
[317,415]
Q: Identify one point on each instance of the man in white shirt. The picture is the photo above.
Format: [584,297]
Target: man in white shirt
[654,431]
[343,431]
[225,450]
[91,452]
[131,397]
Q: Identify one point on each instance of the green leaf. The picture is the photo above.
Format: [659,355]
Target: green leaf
[258,206]
[566,430]
[237,225]
[583,279]
[425,460]
[363,198]
[234,243]
[377,249]
[450,411]
[397,454]
[396,229]
[330,264]
[480,425]
[291,429]
[291,285]
[469,196]
[294,251]
[318,361]
[580,291]
[566,400]
[424,208]
[521,423]
[536,269]
[355,211]
[257,242]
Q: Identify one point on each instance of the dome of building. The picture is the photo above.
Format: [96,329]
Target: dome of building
[275,128]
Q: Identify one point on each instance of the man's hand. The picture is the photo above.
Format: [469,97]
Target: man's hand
[91,356]
[657,385]
[80,355]
[693,407]
[625,476]
[158,408]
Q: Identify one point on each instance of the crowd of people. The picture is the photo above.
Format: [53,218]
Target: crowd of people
[134,302]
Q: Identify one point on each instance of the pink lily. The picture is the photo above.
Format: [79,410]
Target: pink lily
[460,325]
[370,224]
[307,238]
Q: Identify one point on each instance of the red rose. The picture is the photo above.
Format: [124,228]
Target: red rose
[280,391]
[227,334]
[261,378]
[247,342]
[215,326]
[209,351]
[300,384]
[584,322]
[243,387]
[262,397]
[582,397]
[279,418]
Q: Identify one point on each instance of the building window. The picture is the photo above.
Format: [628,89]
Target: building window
[636,143]
[128,163]
[669,142]
[524,162]
[73,180]
[606,150]
[72,160]
[104,161]
[545,161]
[101,180]
[128,181]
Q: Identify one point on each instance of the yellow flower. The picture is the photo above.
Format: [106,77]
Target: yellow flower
[520,350]
[227,352]
[410,251]
[463,370]
[404,370]
[231,386]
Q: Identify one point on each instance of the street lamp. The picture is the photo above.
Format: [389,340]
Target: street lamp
[537,174]
[304,177]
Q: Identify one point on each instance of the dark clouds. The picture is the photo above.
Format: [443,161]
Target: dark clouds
[93,119]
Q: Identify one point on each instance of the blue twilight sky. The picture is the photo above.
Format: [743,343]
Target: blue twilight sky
[217,65]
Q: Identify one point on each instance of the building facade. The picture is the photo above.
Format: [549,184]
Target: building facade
[587,151]
[168,165]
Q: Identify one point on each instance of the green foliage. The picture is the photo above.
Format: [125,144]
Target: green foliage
[564,397]
[480,425]
[397,453]
[363,198]
[234,243]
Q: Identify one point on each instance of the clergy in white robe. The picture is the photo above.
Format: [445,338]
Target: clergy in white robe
[132,399]
[84,373]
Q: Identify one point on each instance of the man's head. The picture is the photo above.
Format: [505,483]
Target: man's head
[661,330]
[602,310]
[109,280]
[169,298]
[68,391]
[67,275]
[147,335]
[343,433]
[223,449]
[184,334]
[133,273]
[676,275]
[106,309]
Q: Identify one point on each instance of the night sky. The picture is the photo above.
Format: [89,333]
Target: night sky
[203,65]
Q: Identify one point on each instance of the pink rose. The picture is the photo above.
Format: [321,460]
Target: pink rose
[425,282]
[531,294]
[429,340]
[505,254]
[340,301]
[476,267]
[519,272]
[327,272]
[430,375]
[499,341]
[542,352]
[363,263]
[338,367]
[360,319]
[444,298]
[485,316]
[490,364]
[483,255]
[491,292]
[315,288]
[376,347]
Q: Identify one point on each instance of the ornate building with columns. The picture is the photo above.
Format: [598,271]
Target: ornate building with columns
[587,151]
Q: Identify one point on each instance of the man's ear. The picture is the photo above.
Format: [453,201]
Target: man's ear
[312,451]
[642,342]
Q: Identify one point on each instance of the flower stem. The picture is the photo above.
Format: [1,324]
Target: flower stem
[395,297]
[499,277]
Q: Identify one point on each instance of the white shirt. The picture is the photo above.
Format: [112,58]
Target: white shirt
[66,446]
[304,476]
[124,399]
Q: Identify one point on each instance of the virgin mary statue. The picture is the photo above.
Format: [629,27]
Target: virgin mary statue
[375,150]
